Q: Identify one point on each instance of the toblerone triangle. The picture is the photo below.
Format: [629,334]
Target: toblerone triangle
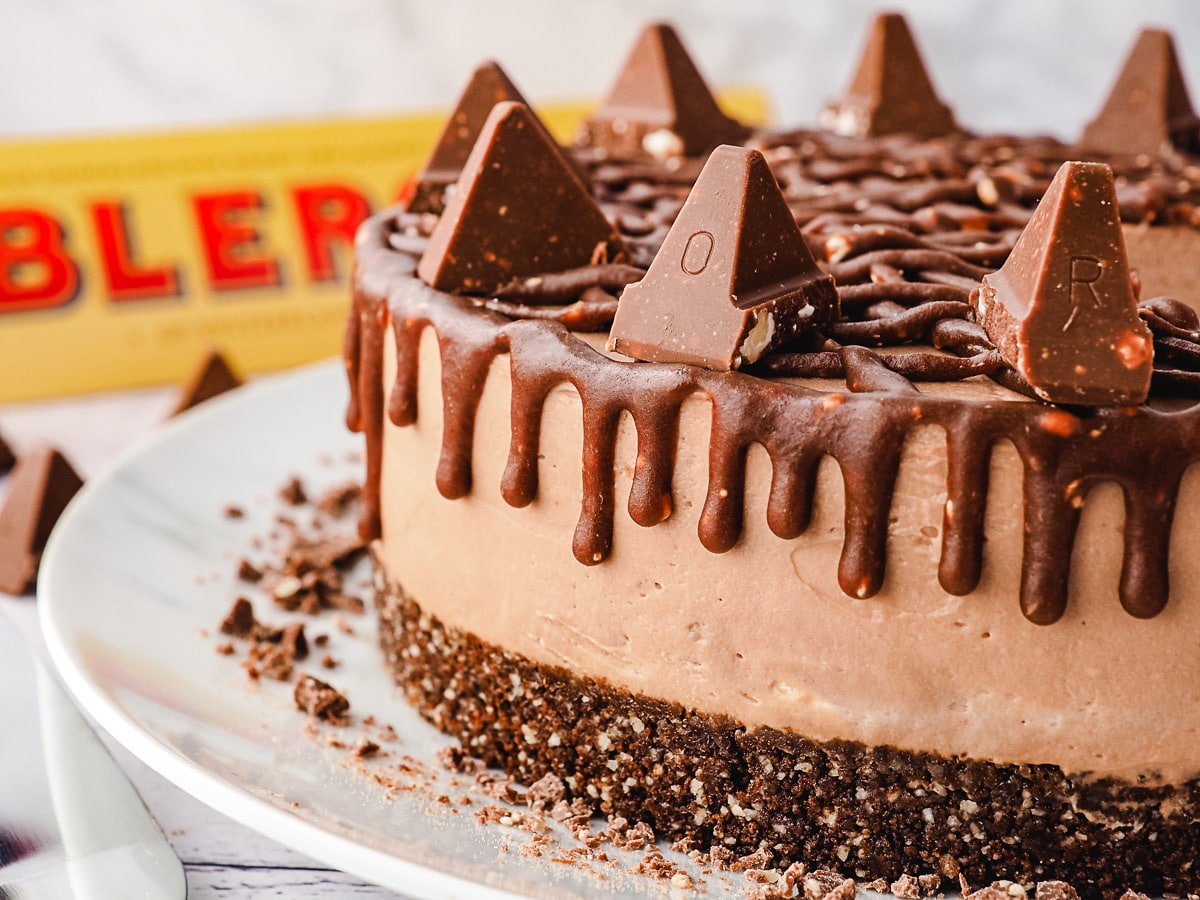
[212,377]
[734,278]
[518,210]
[41,484]
[891,92]
[1062,309]
[7,458]
[661,103]
[1148,109]
[487,86]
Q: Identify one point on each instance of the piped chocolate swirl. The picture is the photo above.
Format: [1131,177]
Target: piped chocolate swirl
[863,427]
[908,229]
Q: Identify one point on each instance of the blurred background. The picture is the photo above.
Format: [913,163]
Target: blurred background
[78,66]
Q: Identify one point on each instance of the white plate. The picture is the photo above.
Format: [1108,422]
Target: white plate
[138,574]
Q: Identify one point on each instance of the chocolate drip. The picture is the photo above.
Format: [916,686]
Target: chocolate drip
[1049,535]
[402,403]
[650,499]
[594,533]
[721,517]
[907,227]
[868,498]
[364,365]
[967,457]
[352,363]
[1144,574]
[464,371]
[793,484]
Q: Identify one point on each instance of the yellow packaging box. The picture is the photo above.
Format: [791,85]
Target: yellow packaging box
[123,259]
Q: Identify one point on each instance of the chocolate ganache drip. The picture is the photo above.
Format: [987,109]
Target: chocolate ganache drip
[907,228]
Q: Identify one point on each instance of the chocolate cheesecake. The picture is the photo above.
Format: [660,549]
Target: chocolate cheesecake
[820,495]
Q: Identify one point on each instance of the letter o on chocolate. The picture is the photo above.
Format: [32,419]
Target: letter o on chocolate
[696,253]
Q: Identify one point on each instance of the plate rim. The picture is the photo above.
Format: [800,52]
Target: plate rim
[303,835]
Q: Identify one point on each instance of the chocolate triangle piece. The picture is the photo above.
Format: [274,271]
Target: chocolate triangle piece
[7,457]
[213,376]
[1148,109]
[518,210]
[487,86]
[1062,310]
[891,92]
[660,104]
[734,278]
[41,484]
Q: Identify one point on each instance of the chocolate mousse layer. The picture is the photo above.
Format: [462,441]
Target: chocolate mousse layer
[868,811]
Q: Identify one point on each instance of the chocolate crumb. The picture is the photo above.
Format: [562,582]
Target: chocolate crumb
[339,501]
[233,511]
[682,881]
[759,859]
[328,662]
[226,649]
[491,815]
[573,814]
[248,572]
[906,888]
[365,748]
[685,844]
[293,493]
[721,858]
[388,733]
[321,700]
[498,787]
[292,641]
[273,660]
[655,865]
[310,580]
[456,759]
[239,622]
[345,602]
[1055,890]
[630,838]
[995,891]
[547,791]
[763,876]
[949,866]
[824,884]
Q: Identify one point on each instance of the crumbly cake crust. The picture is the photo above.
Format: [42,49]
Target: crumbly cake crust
[872,812]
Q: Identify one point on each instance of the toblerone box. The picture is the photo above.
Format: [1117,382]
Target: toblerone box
[123,259]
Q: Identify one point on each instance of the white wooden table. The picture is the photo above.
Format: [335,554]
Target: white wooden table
[221,857]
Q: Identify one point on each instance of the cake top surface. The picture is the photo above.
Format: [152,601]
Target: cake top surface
[910,228]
